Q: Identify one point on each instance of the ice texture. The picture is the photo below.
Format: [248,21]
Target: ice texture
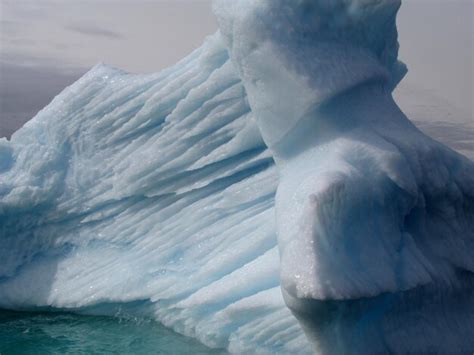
[154,195]
[151,195]
[375,221]
[317,48]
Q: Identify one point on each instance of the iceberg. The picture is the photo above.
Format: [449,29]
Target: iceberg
[264,195]
[375,221]
[151,195]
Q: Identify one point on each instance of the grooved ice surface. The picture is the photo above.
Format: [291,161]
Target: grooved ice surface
[152,188]
[155,195]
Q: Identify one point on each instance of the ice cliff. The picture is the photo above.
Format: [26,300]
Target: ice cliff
[154,195]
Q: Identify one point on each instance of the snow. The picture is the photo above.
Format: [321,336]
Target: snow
[157,195]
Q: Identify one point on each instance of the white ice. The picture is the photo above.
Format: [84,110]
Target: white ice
[375,220]
[155,194]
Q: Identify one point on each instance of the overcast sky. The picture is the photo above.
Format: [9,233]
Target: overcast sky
[47,44]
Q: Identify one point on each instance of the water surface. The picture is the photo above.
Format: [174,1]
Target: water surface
[64,333]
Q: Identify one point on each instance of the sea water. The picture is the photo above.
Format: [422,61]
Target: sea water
[65,333]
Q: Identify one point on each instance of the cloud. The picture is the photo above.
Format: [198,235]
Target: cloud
[92,30]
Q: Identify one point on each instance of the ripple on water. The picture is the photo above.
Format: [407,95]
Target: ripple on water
[64,333]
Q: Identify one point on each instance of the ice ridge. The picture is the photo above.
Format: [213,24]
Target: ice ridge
[157,194]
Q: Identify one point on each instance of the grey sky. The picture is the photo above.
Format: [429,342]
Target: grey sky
[47,44]
[135,35]
[437,43]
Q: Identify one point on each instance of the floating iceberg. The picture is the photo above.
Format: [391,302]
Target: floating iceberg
[163,195]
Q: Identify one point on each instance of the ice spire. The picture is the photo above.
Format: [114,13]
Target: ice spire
[318,49]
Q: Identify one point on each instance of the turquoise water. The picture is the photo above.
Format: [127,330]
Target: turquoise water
[64,333]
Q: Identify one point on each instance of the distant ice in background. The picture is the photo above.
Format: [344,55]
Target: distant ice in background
[437,43]
[438,118]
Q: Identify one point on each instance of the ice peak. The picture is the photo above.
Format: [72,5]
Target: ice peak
[318,48]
